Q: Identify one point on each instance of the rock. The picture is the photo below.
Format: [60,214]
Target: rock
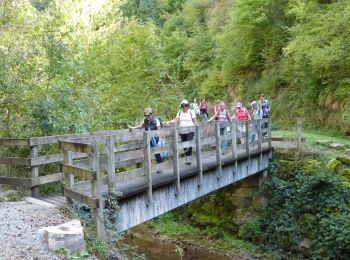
[322,142]
[69,235]
[345,175]
[312,166]
[335,166]
[344,159]
[336,145]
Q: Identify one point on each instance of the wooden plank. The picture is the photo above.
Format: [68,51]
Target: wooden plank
[34,152]
[75,147]
[199,155]
[187,144]
[135,154]
[18,161]
[82,198]
[54,139]
[285,139]
[41,160]
[14,141]
[68,178]
[208,140]
[167,148]
[184,130]
[247,141]
[16,181]
[234,139]
[128,147]
[131,174]
[176,160]
[79,172]
[47,179]
[148,167]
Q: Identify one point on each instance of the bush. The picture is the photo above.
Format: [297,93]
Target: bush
[251,230]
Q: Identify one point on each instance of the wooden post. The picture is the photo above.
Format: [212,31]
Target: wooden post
[247,136]
[110,163]
[68,178]
[234,140]
[218,149]
[269,132]
[34,152]
[176,153]
[299,130]
[199,154]
[148,166]
[259,142]
[97,212]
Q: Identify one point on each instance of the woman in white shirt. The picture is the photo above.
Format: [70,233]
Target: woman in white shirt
[185,117]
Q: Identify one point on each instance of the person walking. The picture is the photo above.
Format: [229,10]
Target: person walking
[257,114]
[241,114]
[194,107]
[265,107]
[204,111]
[186,118]
[222,115]
[150,123]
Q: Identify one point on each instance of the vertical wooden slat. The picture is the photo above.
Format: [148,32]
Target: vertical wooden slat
[199,154]
[259,142]
[234,139]
[68,178]
[148,166]
[218,149]
[176,160]
[110,163]
[34,152]
[269,132]
[299,130]
[247,136]
[97,213]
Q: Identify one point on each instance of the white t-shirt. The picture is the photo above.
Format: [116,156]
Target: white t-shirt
[186,118]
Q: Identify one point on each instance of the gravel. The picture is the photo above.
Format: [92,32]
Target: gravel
[19,225]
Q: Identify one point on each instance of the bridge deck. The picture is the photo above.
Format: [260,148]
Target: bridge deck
[137,186]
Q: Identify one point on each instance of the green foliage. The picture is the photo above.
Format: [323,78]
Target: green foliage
[251,230]
[307,215]
[69,256]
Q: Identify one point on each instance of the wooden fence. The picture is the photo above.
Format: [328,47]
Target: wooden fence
[297,128]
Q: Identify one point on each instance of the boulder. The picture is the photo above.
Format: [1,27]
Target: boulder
[335,166]
[345,175]
[336,145]
[69,235]
[344,159]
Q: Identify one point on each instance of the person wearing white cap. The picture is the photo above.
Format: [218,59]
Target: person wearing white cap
[186,118]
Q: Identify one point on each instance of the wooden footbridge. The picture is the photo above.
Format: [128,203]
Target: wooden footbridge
[121,164]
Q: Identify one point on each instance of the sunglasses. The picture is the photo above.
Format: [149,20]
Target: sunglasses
[184,105]
[147,115]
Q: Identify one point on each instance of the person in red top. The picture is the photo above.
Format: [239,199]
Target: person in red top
[241,114]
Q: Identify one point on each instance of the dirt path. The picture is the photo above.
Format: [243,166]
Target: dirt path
[19,225]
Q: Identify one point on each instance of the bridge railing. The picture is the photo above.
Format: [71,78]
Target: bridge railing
[123,152]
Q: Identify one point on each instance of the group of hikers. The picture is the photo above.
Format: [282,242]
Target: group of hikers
[187,116]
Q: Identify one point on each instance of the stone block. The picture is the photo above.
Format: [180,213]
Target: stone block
[69,235]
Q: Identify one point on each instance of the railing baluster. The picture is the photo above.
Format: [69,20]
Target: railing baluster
[148,165]
[199,154]
[97,213]
[34,152]
[110,163]
[176,153]
[269,132]
[218,149]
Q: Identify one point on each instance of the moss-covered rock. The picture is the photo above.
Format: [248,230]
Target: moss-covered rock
[311,166]
[344,160]
[345,175]
[335,166]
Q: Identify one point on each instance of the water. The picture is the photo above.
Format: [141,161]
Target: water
[140,238]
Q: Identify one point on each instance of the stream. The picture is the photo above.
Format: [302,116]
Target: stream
[140,239]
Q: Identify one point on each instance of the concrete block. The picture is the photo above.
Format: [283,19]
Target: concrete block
[69,235]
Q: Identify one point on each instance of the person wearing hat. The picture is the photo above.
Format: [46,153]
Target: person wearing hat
[150,123]
[186,118]
[241,114]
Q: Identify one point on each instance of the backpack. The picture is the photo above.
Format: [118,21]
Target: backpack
[264,106]
[227,116]
[179,113]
